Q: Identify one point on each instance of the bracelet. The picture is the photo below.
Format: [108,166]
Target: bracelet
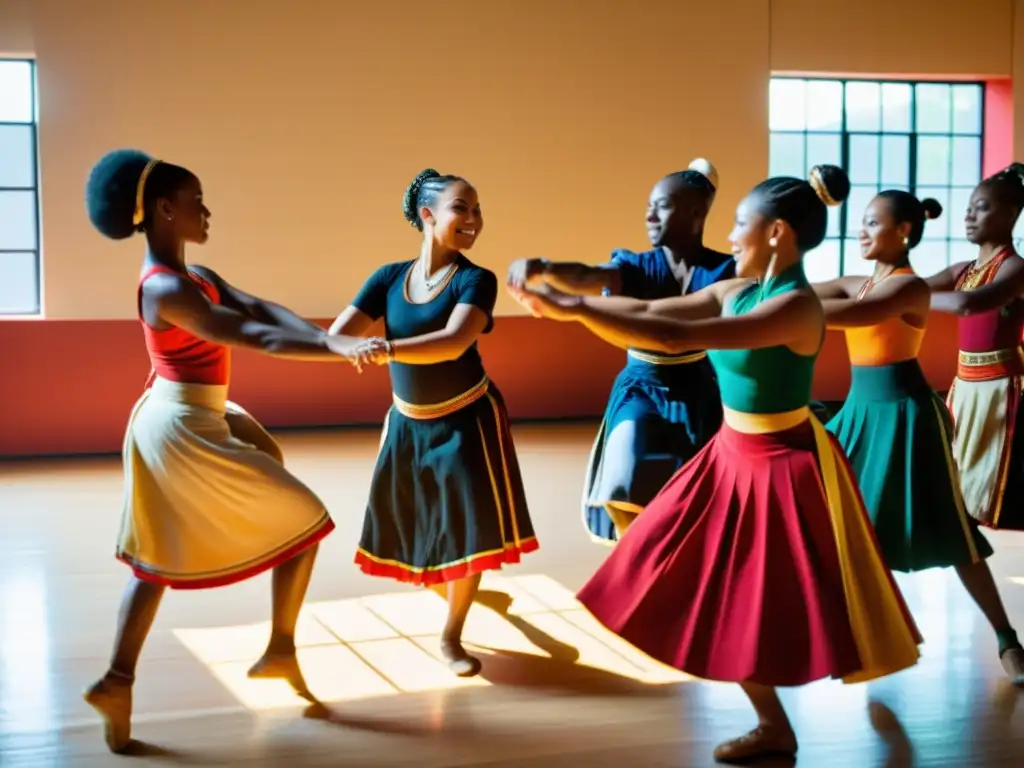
[390,349]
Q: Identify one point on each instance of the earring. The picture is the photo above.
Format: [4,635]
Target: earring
[773,243]
[906,241]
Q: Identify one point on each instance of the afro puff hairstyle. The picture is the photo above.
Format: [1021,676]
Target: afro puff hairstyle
[113,183]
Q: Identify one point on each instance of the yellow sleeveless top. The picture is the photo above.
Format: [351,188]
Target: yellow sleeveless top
[891,341]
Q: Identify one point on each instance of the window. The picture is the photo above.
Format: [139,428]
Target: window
[921,137]
[19,190]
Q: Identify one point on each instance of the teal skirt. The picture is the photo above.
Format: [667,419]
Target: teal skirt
[897,434]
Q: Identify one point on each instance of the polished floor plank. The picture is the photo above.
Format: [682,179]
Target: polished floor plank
[556,689]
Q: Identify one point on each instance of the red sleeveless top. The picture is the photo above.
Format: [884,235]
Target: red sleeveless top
[176,354]
[998,328]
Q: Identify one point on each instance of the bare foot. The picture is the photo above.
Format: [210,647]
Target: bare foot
[111,697]
[1013,665]
[282,666]
[460,662]
[763,741]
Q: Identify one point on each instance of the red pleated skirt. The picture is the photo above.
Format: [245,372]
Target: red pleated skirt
[741,570]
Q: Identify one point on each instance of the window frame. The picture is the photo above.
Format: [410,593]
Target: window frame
[912,135]
[33,126]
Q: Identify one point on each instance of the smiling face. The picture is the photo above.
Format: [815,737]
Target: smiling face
[881,237]
[749,239]
[454,217]
[674,213]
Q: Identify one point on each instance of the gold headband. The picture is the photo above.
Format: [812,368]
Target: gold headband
[140,190]
[818,185]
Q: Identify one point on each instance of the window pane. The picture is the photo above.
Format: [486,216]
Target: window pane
[834,213]
[786,155]
[856,205]
[853,264]
[17,156]
[896,107]
[822,263]
[19,287]
[896,161]
[936,228]
[966,160]
[934,110]
[961,250]
[864,160]
[17,221]
[823,148]
[824,105]
[967,109]
[16,92]
[863,106]
[929,257]
[933,160]
[958,200]
[786,105]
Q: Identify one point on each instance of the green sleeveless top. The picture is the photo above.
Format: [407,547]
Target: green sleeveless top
[772,379]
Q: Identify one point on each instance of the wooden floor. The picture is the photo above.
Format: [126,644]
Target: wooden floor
[556,690]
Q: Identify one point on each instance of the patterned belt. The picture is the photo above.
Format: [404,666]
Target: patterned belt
[655,359]
[988,366]
[448,407]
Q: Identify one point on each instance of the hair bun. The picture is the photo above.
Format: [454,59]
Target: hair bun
[932,208]
[705,169]
[830,183]
[412,193]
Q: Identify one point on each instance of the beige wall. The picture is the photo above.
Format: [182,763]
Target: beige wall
[15,28]
[307,119]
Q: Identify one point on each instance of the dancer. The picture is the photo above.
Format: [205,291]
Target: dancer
[756,563]
[662,408]
[208,501]
[447,500]
[894,428]
[985,396]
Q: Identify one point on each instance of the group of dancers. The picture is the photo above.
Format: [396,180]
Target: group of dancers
[752,544]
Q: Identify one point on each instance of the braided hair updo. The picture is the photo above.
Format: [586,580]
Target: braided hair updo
[907,209]
[700,176]
[423,192]
[803,204]
[113,185]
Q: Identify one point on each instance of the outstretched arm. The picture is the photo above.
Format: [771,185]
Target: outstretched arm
[833,289]
[899,296]
[465,324]
[179,302]
[567,276]
[1007,286]
[258,309]
[946,279]
[669,325]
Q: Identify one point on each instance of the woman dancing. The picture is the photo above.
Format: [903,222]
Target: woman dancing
[756,563]
[662,408]
[985,396]
[208,501]
[447,500]
[894,428]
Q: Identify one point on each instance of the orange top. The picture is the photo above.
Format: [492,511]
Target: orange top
[891,341]
[178,355]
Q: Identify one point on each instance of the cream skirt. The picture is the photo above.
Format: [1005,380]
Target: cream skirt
[208,501]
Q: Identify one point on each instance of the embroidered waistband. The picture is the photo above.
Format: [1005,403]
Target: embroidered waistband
[448,407]
[988,366]
[655,359]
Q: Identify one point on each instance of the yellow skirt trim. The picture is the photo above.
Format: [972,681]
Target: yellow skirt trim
[655,359]
[885,635]
[448,407]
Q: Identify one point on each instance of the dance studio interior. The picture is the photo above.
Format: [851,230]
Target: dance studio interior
[305,121]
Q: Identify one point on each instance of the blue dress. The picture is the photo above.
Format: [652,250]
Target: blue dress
[446,499]
[662,408]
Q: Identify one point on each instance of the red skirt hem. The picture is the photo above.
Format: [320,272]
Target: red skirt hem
[445,573]
[223,580]
[732,573]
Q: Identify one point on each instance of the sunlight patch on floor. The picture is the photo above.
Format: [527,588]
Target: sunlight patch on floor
[388,644]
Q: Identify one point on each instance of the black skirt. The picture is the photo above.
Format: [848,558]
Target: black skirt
[447,498]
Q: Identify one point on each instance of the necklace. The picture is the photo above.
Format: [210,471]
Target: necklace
[871,282]
[441,274]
